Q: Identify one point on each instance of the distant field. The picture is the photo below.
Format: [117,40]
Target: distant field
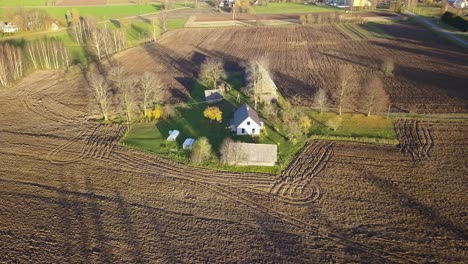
[69,2]
[276,8]
[104,12]
[22,3]
[99,12]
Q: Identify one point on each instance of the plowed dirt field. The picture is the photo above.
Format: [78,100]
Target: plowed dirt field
[70,194]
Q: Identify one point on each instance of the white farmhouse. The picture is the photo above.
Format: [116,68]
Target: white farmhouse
[246,121]
[8,28]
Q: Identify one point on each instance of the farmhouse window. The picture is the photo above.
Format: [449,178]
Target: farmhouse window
[253,130]
[243,131]
[248,123]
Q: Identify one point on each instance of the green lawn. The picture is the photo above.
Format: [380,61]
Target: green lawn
[190,122]
[101,13]
[22,3]
[353,126]
[428,11]
[277,8]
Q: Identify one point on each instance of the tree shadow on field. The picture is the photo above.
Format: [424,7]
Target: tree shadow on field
[98,225]
[129,230]
[356,62]
[294,89]
[288,244]
[460,59]
[178,96]
[453,86]
[432,216]
[170,58]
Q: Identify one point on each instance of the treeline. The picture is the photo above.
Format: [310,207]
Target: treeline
[17,58]
[48,54]
[119,91]
[101,41]
[29,19]
[11,64]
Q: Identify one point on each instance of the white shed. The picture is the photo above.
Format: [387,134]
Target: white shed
[188,143]
[173,134]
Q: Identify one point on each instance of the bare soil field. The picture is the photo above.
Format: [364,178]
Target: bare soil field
[69,193]
[430,74]
[294,16]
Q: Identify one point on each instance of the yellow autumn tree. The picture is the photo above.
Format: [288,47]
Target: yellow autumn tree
[157,112]
[305,123]
[213,113]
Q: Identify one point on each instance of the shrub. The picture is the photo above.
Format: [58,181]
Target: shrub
[334,123]
[388,66]
[455,21]
[303,19]
[201,150]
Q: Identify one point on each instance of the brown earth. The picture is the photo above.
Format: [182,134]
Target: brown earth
[430,74]
[70,194]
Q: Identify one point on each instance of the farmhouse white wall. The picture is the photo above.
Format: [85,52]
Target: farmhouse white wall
[248,128]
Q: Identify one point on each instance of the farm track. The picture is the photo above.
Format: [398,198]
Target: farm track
[415,139]
[84,195]
[294,182]
[98,142]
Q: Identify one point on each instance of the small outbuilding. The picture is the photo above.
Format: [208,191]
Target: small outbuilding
[253,154]
[188,143]
[213,96]
[173,134]
[9,28]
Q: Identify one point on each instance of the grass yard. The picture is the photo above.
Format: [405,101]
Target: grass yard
[189,120]
[277,8]
[22,3]
[101,13]
[428,11]
[353,125]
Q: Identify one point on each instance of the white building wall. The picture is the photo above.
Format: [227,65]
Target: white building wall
[248,128]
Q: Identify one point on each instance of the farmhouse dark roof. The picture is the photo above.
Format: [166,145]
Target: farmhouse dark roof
[242,113]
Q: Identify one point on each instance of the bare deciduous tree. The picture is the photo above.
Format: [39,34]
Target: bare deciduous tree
[388,66]
[374,97]
[155,29]
[211,71]
[346,86]
[169,111]
[48,54]
[225,151]
[261,88]
[127,92]
[151,90]
[334,122]
[320,99]
[117,75]
[101,92]
[163,21]
[11,64]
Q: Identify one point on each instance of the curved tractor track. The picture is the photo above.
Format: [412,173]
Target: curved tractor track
[415,139]
[294,185]
[95,141]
